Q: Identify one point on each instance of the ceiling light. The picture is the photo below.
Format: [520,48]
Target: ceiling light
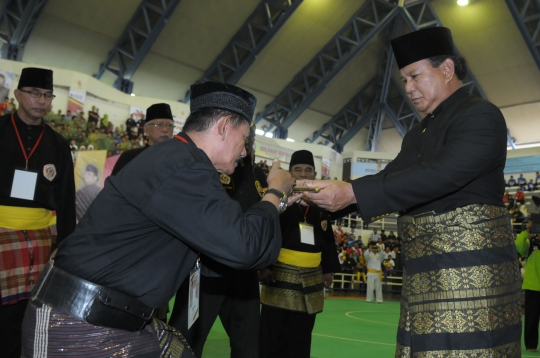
[133,95]
[463,2]
[290,140]
[259,132]
[269,135]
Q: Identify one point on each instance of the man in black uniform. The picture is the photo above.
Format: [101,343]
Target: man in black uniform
[231,294]
[447,182]
[36,177]
[159,127]
[141,237]
[293,288]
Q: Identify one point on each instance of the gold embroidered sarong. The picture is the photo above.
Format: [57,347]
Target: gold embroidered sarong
[296,289]
[461,285]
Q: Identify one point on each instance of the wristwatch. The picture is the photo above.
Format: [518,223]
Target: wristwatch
[282,198]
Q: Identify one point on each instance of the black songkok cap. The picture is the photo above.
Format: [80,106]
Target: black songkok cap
[422,44]
[159,111]
[302,157]
[36,77]
[216,95]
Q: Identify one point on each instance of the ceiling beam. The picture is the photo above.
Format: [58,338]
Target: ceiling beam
[365,24]
[17,20]
[526,14]
[136,40]
[249,41]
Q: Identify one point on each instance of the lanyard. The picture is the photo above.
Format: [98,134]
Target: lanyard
[26,156]
[305,214]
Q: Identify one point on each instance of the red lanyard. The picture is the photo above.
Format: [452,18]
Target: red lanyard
[27,157]
[305,214]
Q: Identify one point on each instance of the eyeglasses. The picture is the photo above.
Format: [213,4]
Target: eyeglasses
[38,94]
[161,125]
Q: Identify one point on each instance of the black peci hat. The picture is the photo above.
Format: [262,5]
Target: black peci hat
[302,157]
[159,111]
[36,77]
[422,44]
[217,95]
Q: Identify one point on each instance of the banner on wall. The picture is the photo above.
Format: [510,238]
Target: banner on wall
[269,151]
[178,125]
[522,164]
[76,101]
[325,170]
[89,171]
[137,112]
[6,78]
[365,166]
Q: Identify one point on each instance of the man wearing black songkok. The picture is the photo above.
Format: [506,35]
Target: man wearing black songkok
[461,285]
[293,287]
[36,178]
[141,237]
[158,127]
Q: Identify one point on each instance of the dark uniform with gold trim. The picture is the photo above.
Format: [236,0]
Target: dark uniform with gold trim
[231,294]
[290,305]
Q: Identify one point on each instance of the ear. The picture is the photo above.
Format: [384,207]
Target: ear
[448,69]
[222,126]
[17,94]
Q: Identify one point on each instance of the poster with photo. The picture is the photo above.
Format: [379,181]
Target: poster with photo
[76,101]
[6,79]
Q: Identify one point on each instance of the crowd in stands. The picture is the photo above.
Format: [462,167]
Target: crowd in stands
[523,184]
[8,106]
[517,203]
[96,132]
[351,249]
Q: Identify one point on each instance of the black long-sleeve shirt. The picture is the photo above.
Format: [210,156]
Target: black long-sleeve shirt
[144,231]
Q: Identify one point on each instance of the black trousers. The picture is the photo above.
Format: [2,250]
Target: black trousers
[234,297]
[532,318]
[285,334]
[11,318]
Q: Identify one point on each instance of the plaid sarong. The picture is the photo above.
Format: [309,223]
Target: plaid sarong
[24,254]
[48,332]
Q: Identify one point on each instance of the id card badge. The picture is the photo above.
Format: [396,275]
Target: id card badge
[306,234]
[193,302]
[24,184]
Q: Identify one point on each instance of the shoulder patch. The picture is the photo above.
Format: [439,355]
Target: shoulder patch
[49,171]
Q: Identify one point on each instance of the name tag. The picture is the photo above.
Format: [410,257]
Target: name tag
[306,234]
[24,184]
[193,304]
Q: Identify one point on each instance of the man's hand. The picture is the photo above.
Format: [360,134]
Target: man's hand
[327,279]
[266,276]
[279,179]
[333,196]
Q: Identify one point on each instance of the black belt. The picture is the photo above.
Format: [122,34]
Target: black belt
[98,305]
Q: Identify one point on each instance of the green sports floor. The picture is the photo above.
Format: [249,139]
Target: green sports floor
[348,328]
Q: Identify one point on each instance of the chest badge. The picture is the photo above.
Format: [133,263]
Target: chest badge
[324,225]
[259,188]
[49,171]
[225,179]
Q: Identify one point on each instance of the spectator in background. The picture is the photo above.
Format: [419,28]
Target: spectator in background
[4,106]
[12,102]
[68,117]
[374,237]
[507,198]
[531,186]
[520,196]
[388,265]
[374,257]
[529,246]
[511,181]
[397,259]
[521,180]
[93,116]
[383,235]
[537,178]
[380,244]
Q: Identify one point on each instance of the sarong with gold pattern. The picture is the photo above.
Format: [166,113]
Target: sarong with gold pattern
[461,285]
[296,289]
